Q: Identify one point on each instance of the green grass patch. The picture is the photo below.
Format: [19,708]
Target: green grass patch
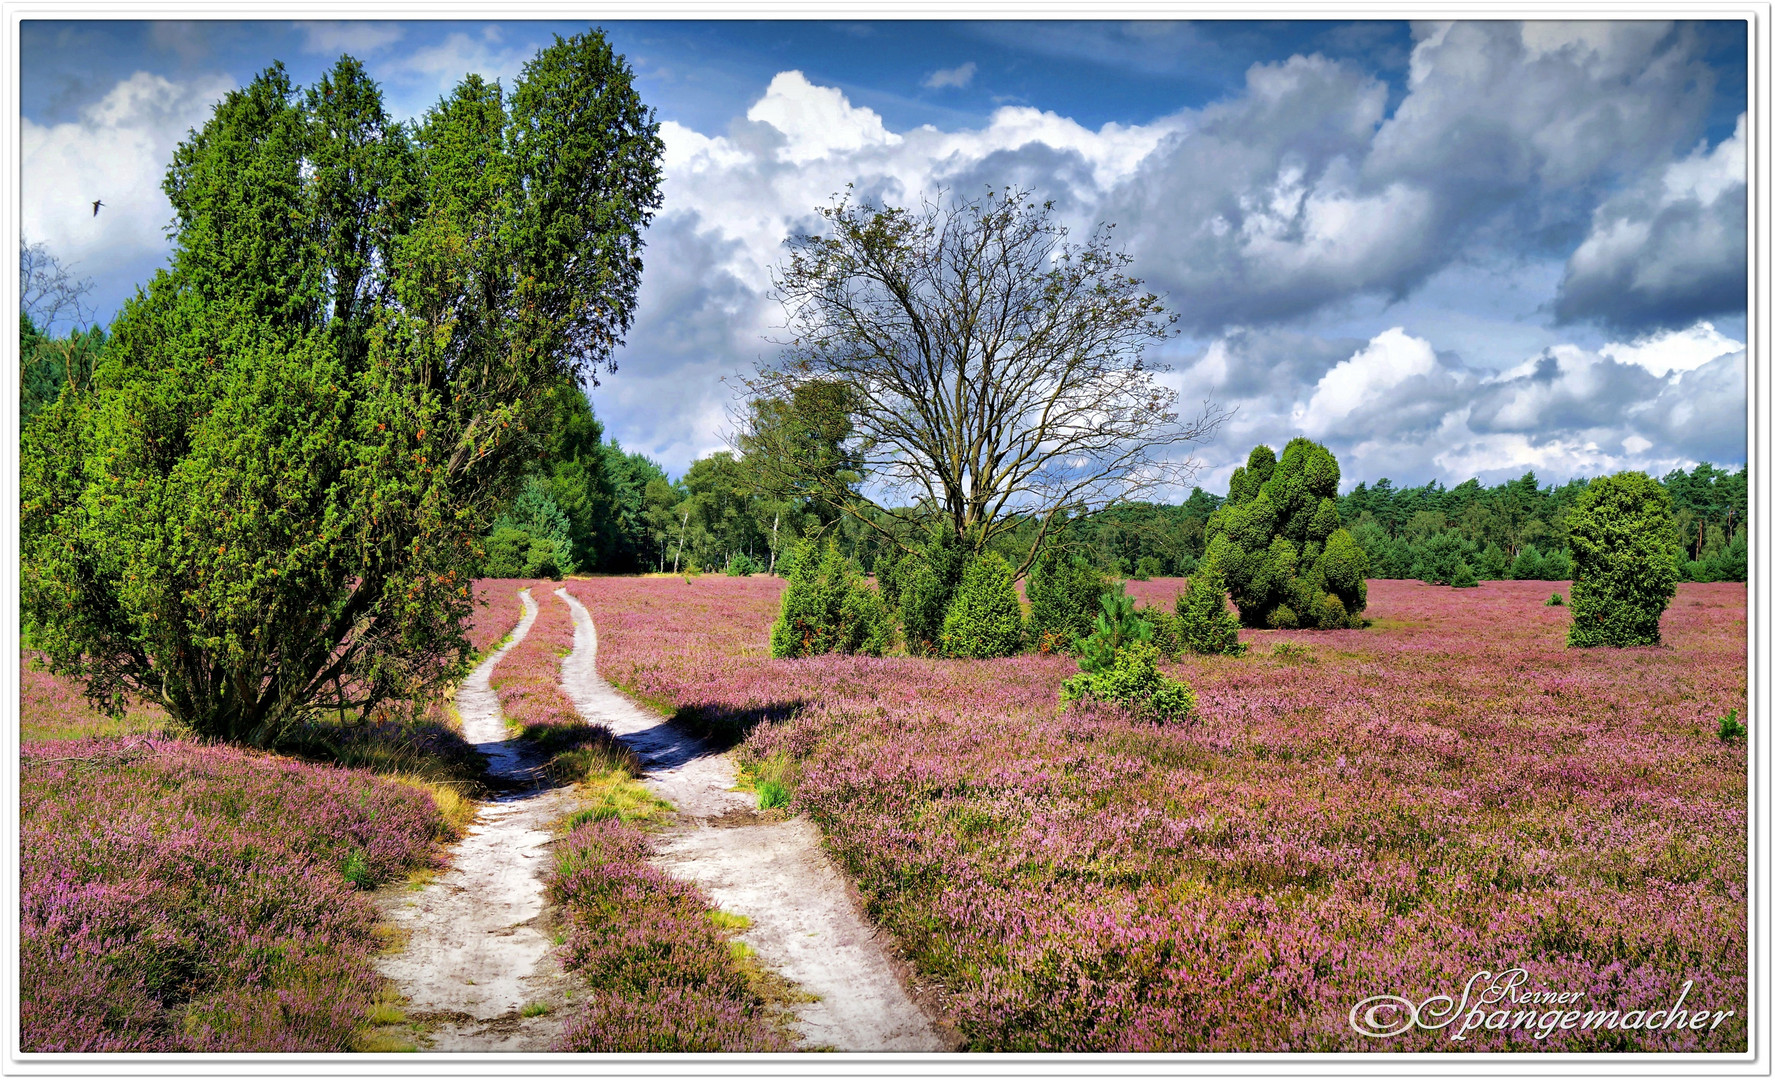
[615,795]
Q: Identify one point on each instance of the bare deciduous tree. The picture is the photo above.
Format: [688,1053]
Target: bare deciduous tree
[991,370]
[48,291]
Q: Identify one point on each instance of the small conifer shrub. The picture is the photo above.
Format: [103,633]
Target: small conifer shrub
[985,619]
[1117,626]
[1064,594]
[1132,680]
[1205,624]
[1167,630]
[829,607]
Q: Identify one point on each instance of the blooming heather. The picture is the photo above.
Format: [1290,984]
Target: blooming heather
[175,896]
[53,707]
[498,609]
[662,975]
[528,682]
[1449,791]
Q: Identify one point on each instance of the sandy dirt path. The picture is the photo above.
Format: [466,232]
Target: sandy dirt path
[804,924]
[475,951]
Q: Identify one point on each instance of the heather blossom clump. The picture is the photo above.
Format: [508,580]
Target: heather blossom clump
[182,897]
[192,898]
[663,974]
[1449,791]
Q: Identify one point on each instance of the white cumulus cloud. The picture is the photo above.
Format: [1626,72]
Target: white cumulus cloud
[117,151]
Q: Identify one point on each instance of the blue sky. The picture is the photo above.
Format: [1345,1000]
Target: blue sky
[1445,250]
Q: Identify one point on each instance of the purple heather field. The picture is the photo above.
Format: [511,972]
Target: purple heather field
[1383,811]
[1448,791]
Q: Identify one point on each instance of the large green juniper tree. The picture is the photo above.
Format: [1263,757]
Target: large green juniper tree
[268,499]
[1281,545]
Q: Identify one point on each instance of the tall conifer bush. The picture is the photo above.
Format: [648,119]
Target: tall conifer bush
[1278,539]
[928,582]
[1624,553]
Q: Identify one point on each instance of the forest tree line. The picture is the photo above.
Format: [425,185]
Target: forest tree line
[589,506]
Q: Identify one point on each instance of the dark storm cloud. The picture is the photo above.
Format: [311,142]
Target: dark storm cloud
[1300,193]
[1670,250]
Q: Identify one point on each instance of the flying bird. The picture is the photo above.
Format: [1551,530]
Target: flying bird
[96,203]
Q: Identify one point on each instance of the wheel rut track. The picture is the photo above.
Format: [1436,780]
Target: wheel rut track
[478,947]
[803,921]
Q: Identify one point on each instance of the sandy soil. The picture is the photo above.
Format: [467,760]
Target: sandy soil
[774,872]
[476,948]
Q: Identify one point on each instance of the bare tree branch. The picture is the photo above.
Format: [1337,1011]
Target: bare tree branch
[48,291]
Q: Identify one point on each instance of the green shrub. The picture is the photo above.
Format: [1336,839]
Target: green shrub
[1493,564]
[1134,682]
[1731,728]
[534,539]
[1732,563]
[1557,566]
[1440,557]
[1147,568]
[891,568]
[1280,544]
[1167,630]
[1117,626]
[1624,552]
[741,565]
[1292,650]
[985,619]
[1532,564]
[507,552]
[1464,578]
[927,583]
[1204,624]
[788,557]
[829,607]
[1555,600]
[1527,565]
[1065,592]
